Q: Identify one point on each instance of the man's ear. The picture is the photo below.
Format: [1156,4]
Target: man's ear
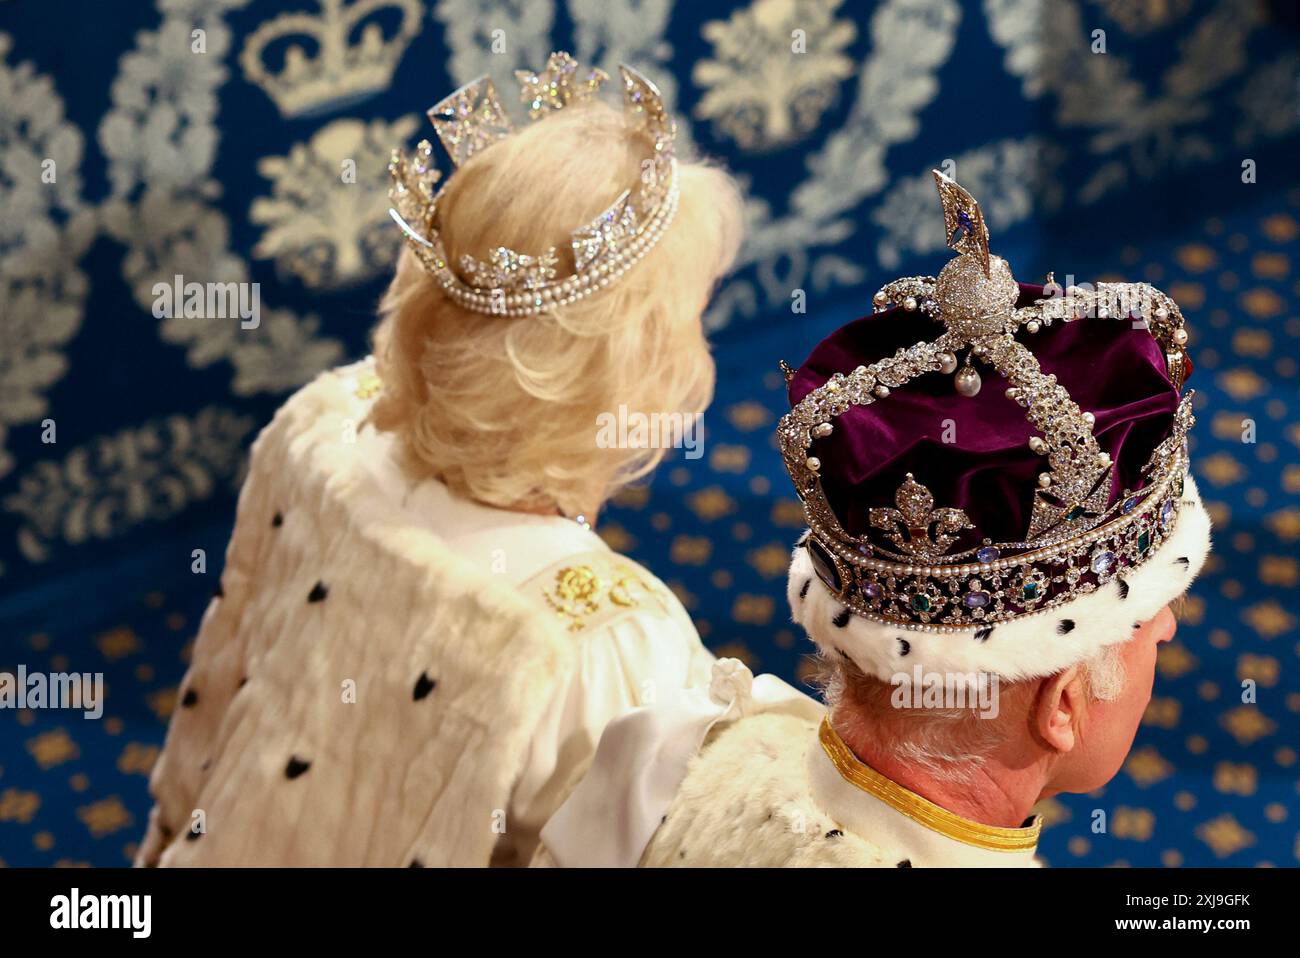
[1061,705]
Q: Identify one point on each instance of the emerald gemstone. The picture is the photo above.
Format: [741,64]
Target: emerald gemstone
[1144,541]
[921,602]
[1074,513]
[1030,590]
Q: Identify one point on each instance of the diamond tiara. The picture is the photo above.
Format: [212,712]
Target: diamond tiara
[1079,536]
[511,283]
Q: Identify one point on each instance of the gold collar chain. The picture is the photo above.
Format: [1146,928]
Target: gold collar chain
[920,810]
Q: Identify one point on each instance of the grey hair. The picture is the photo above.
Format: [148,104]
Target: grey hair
[950,744]
[1105,673]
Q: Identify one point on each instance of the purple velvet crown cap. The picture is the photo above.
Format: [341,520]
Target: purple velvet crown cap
[973,452]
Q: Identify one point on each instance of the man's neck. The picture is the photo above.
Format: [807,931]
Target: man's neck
[992,794]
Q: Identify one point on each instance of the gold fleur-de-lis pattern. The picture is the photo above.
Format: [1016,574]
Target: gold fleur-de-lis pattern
[229,149]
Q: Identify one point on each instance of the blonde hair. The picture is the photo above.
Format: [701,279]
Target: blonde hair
[504,410]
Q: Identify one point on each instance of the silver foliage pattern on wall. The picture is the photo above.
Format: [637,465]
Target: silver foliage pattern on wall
[830,90]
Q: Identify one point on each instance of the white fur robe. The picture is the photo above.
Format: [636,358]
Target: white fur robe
[359,695]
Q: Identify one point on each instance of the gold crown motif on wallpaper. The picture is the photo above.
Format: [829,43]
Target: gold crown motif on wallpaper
[513,283]
[339,70]
[1079,535]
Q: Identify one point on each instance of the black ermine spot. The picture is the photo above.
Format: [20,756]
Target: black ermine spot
[295,767]
[423,686]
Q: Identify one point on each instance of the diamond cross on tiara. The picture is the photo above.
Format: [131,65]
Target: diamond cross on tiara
[558,85]
[470,120]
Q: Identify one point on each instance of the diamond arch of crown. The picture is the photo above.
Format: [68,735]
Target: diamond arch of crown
[1077,537]
[508,282]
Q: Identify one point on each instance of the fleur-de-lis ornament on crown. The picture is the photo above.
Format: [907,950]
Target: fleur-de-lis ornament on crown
[909,526]
[509,282]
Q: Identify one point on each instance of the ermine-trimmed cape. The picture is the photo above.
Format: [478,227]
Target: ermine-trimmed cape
[361,695]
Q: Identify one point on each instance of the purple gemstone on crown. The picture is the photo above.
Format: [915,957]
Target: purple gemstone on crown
[1167,513]
[1103,562]
[988,554]
[873,590]
[976,600]
[1130,504]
